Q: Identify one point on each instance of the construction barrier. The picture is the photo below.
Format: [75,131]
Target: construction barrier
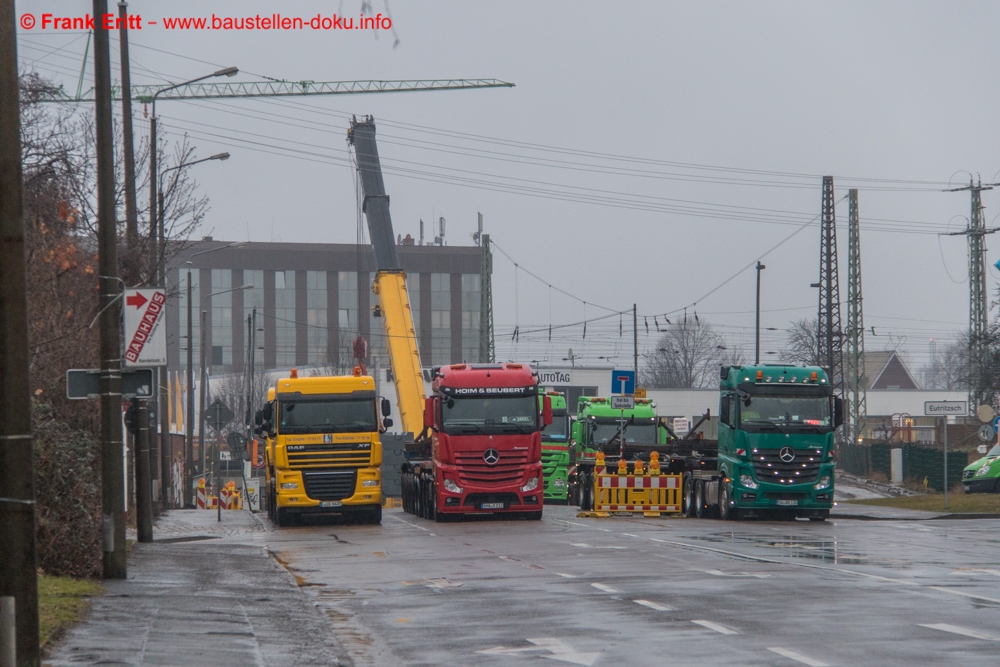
[224,493]
[202,504]
[650,494]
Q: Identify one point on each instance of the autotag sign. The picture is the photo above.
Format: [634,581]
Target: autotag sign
[946,408]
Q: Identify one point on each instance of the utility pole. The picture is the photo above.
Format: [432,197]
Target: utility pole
[143,489]
[187,493]
[831,356]
[760,267]
[201,397]
[487,350]
[978,305]
[635,342]
[112,466]
[131,218]
[857,383]
[18,572]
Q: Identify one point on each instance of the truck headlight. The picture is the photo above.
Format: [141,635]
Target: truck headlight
[369,482]
[983,471]
[451,486]
[746,481]
[531,485]
[559,482]
[285,486]
[824,483]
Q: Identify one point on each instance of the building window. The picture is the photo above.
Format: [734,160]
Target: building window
[182,285]
[284,318]
[440,318]
[470,317]
[347,297]
[316,318]
[221,308]
[254,299]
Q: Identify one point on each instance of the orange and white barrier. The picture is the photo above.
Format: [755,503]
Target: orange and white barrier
[202,496]
[651,494]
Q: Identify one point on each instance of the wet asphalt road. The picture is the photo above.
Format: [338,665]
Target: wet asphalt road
[641,591]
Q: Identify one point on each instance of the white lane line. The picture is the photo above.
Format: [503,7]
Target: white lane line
[426,530]
[721,629]
[797,657]
[653,539]
[975,634]
[629,535]
[566,576]
[606,589]
[653,605]
[509,559]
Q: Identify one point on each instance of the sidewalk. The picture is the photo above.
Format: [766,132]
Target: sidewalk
[202,594]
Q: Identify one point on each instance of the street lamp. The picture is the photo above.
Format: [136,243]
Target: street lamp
[189,422]
[760,267]
[162,217]
[201,384]
[156,231]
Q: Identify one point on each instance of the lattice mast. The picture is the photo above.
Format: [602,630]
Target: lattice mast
[857,383]
[829,334]
[487,349]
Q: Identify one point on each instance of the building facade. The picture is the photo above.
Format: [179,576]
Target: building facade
[311,301]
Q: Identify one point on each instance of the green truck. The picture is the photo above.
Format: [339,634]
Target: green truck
[555,450]
[775,448]
[630,434]
[983,475]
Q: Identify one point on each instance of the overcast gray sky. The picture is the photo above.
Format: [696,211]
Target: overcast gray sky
[648,152]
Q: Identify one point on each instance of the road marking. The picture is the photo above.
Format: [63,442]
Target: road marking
[426,530]
[606,589]
[584,545]
[653,539]
[629,535]
[558,650]
[509,559]
[566,576]
[653,605]
[434,583]
[975,634]
[975,571]
[798,657]
[720,573]
[721,629]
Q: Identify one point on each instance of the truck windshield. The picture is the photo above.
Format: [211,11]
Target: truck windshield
[327,416]
[778,412]
[641,433]
[557,429]
[499,414]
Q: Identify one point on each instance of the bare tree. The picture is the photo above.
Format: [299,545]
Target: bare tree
[688,356]
[947,369]
[801,346]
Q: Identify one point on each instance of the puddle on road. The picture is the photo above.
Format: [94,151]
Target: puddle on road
[824,551]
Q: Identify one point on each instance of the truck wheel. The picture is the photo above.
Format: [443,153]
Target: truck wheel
[700,510]
[587,492]
[431,506]
[687,499]
[726,513]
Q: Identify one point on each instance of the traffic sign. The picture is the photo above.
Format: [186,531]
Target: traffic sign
[622,382]
[640,392]
[681,425]
[996,424]
[145,327]
[218,415]
[86,383]
[622,402]
[946,408]
[986,432]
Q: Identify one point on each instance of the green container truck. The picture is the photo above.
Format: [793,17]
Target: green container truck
[555,450]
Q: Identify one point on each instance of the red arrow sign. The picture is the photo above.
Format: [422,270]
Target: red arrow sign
[136,300]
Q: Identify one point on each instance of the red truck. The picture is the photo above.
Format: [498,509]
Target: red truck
[482,452]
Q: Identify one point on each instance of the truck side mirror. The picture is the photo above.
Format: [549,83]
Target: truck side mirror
[386,408]
[267,411]
[387,423]
[258,418]
[546,410]
[838,411]
[724,410]
[429,412]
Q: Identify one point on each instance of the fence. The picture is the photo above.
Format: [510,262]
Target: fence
[919,462]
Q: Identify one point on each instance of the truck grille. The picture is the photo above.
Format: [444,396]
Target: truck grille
[330,484]
[550,461]
[802,469]
[347,455]
[473,469]
[966,474]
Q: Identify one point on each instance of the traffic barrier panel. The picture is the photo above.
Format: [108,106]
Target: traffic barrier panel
[653,495]
[202,504]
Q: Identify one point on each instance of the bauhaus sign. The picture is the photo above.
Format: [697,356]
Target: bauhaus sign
[145,330]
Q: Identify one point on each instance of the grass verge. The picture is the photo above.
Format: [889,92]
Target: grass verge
[62,601]
[958,503]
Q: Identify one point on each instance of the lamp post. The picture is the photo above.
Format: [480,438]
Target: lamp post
[201,384]
[162,379]
[760,267]
[188,491]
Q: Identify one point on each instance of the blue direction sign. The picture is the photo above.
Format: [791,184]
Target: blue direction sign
[622,382]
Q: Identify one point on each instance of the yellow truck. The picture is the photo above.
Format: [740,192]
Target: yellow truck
[324,455]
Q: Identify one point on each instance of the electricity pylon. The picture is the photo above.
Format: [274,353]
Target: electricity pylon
[857,383]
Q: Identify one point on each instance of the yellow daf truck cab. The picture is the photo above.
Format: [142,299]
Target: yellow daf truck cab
[324,455]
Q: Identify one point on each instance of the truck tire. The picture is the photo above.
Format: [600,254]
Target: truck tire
[587,493]
[687,499]
[700,510]
[431,501]
[726,513]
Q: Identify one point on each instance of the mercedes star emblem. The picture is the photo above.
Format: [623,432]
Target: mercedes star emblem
[491,456]
[787,454]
